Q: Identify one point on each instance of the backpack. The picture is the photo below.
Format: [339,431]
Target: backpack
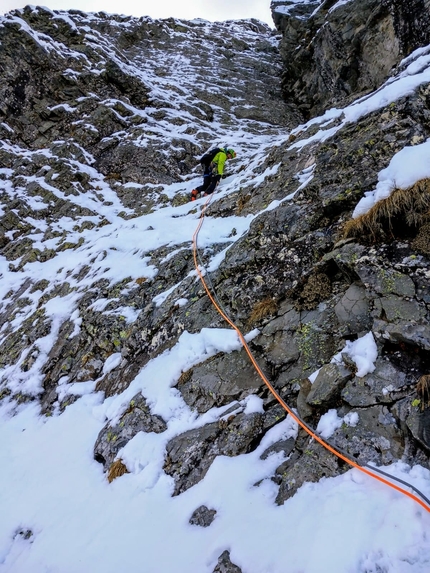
[207,158]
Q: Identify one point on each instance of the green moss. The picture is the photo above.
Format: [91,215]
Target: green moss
[111,437]
[312,346]
[305,342]
[388,280]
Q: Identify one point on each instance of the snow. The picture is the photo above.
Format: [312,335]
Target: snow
[328,423]
[406,167]
[50,483]
[112,362]
[364,353]
[338,5]
[351,419]
[67,503]
[253,404]
[285,7]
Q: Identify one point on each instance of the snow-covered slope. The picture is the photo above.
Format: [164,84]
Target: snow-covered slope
[75,180]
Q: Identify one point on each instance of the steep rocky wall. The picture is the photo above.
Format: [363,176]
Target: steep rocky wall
[88,166]
[411,22]
[102,110]
[333,51]
[85,80]
[324,290]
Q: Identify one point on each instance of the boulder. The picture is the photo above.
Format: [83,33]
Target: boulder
[112,438]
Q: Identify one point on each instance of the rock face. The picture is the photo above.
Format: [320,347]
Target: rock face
[203,516]
[79,126]
[190,455]
[137,418]
[225,565]
[335,50]
[102,119]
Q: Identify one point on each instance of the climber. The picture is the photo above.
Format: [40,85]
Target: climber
[213,165]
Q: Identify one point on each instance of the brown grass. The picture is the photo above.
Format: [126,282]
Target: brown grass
[113,175]
[317,289]
[117,470]
[141,280]
[86,358]
[185,376]
[242,202]
[421,243]
[262,309]
[409,207]
[423,390]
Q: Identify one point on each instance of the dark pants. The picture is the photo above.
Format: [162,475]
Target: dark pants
[210,181]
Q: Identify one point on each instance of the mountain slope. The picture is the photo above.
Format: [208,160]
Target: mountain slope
[114,364]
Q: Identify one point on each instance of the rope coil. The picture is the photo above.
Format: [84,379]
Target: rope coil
[366,469]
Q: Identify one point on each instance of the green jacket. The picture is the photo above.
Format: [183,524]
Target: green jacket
[219,160]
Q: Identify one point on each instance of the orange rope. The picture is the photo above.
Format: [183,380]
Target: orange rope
[273,391]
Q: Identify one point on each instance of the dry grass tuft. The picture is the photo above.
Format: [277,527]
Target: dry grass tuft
[421,243]
[423,390]
[141,280]
[114,175]
[242,202]
[86,358]
[185,376]
[262,309]
[409,207]
[117,470]
[317,289]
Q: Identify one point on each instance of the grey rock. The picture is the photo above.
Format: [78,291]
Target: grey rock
[397,309]
[386,281]
[303,408]
[91,371]
[217,381]
[376,438]
[419,425]
[332,54]
[353,310]
[137,418]
[289,320]
[310,465]
[414,334]
[190,455]
[284,446]
[415,419]
[304,349]
[225,565]
[316,340]
[203,516]
[328,384]
[274,414]
[383,385]
[282,349]
[345,255]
